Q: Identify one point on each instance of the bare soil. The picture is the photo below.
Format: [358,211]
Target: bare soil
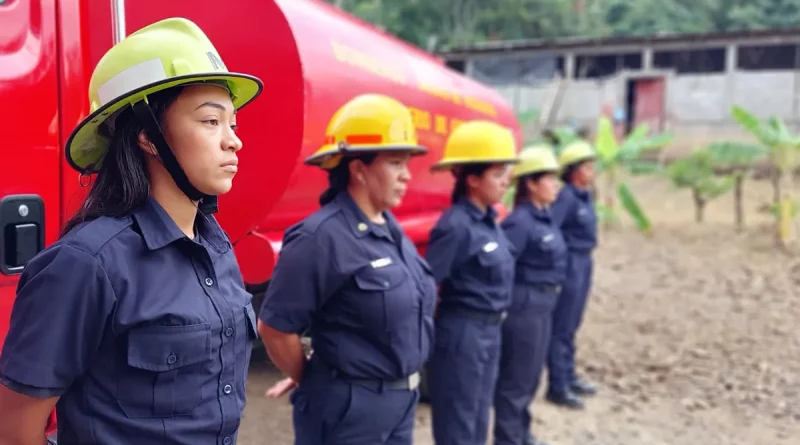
[691,335]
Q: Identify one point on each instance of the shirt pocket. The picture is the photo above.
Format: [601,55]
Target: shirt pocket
[384,293]
[166,369]
[494,264]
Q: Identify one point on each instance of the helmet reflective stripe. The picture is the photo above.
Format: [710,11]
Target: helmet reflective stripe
[133,78]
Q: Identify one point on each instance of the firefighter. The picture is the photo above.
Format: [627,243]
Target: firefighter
[349,276]
[574,213]
[136,321]
[473,267]
[540,269]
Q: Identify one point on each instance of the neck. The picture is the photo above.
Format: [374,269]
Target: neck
[178,206]
[479,203]
[539,204]
[361,197]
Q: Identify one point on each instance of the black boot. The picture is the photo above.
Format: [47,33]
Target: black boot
[583,388]
[565,398]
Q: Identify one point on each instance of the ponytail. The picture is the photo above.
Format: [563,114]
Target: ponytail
[461,173]
[339,177]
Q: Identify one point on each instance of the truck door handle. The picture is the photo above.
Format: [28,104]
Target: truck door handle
[21,231]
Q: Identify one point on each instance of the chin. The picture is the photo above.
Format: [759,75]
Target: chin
[220,188]
[394,202]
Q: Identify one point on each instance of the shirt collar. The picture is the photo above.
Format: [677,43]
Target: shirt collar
[159,230]
[541,214]
[358,221]
[472,210]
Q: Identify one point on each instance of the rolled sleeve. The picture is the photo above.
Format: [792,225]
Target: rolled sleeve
[60,313]
[302,281]
[446,240]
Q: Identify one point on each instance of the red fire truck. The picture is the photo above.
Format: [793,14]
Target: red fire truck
[312,57]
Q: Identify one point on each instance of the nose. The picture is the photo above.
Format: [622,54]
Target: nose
[405,173]
[231,140]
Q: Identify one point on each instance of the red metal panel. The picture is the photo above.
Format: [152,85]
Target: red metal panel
[29,116]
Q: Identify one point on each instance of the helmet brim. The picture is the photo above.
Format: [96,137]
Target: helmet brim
[86,148]
[456,162]
[325,153]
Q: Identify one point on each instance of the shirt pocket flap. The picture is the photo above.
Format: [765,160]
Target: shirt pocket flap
[380,279]
[163,348]
[489,259]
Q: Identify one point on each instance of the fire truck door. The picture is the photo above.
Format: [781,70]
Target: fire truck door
[29,139]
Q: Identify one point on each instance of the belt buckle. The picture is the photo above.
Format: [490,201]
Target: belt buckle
[413,381]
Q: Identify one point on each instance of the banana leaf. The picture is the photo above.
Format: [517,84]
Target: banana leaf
[765,133]
[631,205]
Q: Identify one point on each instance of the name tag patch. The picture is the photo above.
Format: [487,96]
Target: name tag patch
[380,262]
[491,246]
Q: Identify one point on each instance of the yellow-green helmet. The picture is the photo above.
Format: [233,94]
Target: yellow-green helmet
[575,152]
[165,54]
[538,158]
[478,141]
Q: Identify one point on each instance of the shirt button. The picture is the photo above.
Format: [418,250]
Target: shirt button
[171,359]
[209,281]
[227,440]
[227,389]
[228,332]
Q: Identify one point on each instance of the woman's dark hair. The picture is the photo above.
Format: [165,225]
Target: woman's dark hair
[522,194]
[122,183]
[461,174]
[566,175]
[339,176]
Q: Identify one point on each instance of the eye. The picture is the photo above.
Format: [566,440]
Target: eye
[234,127]
[213,122]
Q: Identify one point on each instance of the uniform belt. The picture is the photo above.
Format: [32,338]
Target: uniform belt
[474,314]
[409,383]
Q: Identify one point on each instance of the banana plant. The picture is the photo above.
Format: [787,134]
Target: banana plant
[782,149]
[696,173]
[738,159]
[614,159]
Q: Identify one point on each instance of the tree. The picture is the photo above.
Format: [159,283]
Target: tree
[738,159]
[615,158]
[696,173]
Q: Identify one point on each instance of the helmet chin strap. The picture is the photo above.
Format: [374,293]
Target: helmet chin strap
[208,203]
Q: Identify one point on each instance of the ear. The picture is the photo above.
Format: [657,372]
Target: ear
[357,168]
[531,185]
[473,182]
[146,145]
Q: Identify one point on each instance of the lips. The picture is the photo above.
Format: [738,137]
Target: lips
[231,166]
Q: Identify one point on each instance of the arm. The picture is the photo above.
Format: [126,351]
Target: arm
[57,323]
[443,250]
[303,280]
[517,233]
[562,208]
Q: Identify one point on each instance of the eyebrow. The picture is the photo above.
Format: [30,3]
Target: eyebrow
[214,105]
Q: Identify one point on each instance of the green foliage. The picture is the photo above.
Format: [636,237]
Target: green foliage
[438,24]
[696,173]
[738,155]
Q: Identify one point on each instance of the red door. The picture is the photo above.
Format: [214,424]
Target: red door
[29,125]
[649,106]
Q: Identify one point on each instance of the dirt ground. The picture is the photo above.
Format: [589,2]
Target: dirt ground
[691,336]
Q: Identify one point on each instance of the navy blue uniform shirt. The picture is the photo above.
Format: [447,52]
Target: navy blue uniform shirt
[574,213]
[144,333]
[471,259]
[540,250]
[362,288]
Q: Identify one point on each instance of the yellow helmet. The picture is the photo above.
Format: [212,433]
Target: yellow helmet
[478,141]
[536,159]
[574,152]
[367,123]
[162,55]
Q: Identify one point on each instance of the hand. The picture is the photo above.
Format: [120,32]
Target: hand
[280,388]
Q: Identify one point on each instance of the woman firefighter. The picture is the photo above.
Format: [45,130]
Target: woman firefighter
[349,275]
[473,266]
[540,270]
[573,212]
[136,321]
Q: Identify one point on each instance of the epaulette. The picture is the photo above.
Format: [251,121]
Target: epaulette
[315,220]
[93,235]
